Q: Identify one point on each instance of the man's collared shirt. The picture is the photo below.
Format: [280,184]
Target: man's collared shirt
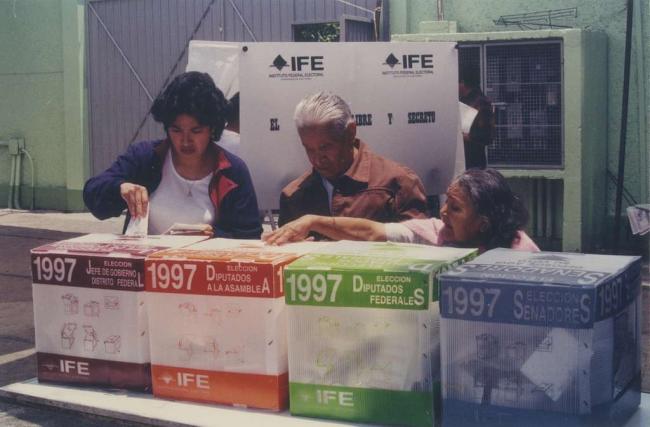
[374,187]
[329,188]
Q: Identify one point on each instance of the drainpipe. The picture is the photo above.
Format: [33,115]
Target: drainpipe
[11,176]
[441,12]
[641,105]
[33,173]
[10,197]
[16,148]
[623,136]
[17,180]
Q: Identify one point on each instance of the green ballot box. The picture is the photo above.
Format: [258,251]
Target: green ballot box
[363,331]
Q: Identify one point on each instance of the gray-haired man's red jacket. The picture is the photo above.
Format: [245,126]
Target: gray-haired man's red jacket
[374,187]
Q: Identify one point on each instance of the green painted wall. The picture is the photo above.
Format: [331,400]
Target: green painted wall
[41,81]
[608,16]
[42,98]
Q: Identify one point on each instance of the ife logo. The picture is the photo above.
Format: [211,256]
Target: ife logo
[408,65]
[410,61]
[299,63]
[300,67]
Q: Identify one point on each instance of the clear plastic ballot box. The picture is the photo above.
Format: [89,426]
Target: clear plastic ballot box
[89,309]
[541,339]
[218,322]
[363,331]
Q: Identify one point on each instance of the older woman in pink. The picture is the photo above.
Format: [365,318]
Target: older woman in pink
[480,211]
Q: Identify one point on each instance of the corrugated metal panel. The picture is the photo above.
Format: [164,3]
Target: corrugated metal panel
[357,29]
[330,10]
[152,34]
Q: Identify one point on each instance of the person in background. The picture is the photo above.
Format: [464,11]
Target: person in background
[482,130]
[186,177]
[347,178]
[230,137]
[480,211]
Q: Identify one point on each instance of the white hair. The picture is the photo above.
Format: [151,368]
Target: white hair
[323,108]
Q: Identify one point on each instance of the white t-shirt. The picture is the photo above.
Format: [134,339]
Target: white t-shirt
[179,200]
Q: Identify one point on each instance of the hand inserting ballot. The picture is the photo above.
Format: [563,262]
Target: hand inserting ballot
[136,198]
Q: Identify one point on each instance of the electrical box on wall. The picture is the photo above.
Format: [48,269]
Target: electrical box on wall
[549,94]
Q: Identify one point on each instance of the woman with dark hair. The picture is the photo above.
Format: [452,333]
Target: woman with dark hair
[480,211]
[186,177]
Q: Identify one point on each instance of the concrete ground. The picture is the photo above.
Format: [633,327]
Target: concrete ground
[21,231]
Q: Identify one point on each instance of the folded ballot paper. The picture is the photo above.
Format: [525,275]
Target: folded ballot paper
[540,339]
[363,331]
[89,309]
[138,227]
[218,322]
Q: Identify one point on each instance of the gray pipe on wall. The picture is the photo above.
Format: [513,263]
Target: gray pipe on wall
[16,148]
[10,197]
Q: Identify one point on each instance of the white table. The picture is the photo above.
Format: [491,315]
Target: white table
[144,408]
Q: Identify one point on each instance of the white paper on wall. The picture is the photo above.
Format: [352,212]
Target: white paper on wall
[467,116]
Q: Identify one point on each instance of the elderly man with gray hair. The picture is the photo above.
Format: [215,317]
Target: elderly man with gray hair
[347,178]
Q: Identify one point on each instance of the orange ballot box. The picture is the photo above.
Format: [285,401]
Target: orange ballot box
[89,310]
[218,322]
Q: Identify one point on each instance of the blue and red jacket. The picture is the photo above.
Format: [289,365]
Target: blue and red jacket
[231,188]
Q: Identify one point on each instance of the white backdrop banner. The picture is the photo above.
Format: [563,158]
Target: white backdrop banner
[220,60]
[404,97]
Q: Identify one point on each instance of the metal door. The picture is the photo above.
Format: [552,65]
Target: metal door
[357,29]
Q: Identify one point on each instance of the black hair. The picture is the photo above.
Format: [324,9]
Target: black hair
[232,115]
[195,94]
[470,76]
[492,198]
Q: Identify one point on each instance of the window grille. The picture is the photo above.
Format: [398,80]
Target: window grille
[524,82]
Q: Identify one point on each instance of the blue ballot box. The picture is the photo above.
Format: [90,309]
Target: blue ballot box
[540,339]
